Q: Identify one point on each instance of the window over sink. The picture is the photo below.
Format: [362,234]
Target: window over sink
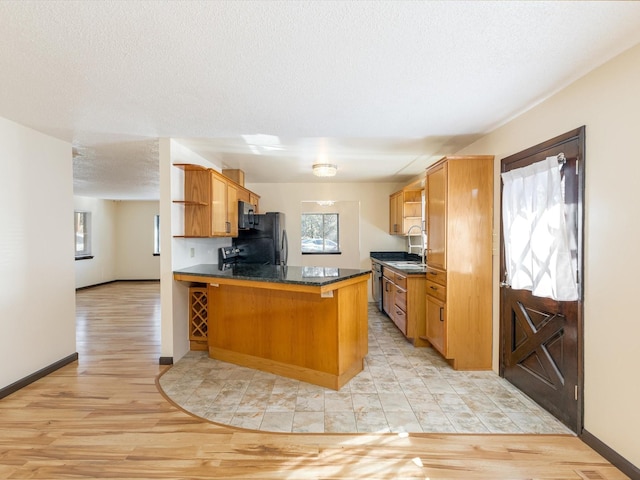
[319,233]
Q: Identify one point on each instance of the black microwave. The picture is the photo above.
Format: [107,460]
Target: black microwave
[247,217]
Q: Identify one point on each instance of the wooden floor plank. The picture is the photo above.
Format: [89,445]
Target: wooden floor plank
[103,417]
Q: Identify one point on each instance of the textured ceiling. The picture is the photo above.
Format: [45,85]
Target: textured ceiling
[380,88]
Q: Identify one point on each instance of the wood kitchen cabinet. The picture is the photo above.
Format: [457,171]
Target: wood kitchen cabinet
[459,224]
[249,197]
[211,202]
[224,206]
[395,213]
[405,210]
[403,301]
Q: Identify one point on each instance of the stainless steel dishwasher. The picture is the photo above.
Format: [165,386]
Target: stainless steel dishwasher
[376,284]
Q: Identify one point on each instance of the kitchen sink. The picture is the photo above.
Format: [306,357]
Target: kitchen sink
[407,264]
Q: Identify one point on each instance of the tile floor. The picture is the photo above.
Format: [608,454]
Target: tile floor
[402,389]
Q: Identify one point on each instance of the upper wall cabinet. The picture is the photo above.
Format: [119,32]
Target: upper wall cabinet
[211,202]
[405,210]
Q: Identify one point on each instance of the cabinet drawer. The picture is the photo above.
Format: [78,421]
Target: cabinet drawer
[400,319]
[437,276]
[401,281]
[401,299]
[437,291]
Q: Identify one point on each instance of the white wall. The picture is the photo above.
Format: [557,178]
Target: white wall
[607,102]
[102,267]
[121,241]
[177,252]
[134,240]
[37,302]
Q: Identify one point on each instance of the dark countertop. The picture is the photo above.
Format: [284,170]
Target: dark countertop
[313,276]
[394,256]
[384,257]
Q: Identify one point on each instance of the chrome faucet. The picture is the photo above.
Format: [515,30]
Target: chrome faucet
[421,247]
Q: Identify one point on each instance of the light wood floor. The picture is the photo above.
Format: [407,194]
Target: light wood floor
[104,417]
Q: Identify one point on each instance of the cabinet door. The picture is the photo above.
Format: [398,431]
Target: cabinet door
[388,302]
[232,210]
[395,213]
[218,206]
[255,201]
[436,324]
[437,216]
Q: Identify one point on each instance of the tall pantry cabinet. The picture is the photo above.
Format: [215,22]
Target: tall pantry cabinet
[459,224]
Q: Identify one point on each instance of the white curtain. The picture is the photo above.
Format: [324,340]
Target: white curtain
[537,253]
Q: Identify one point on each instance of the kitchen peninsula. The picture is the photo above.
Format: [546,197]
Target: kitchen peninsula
[307,323]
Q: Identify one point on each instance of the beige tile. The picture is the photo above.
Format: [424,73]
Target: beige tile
[340,422]
[366,402]
[401,389]
[434,422]
[277,421]
[250,420]
[282,402]
[402,421]
[480,403]
[451,402]
[310,402]
[338,402]
[308,422]
[497,422]
[394,402]
[372,422]
[466,422]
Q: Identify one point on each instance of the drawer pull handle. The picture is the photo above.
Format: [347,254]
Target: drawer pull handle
[441,314]
[433,288]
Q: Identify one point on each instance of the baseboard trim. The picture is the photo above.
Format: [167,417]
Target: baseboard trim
[114,281]
[166,361]
[43,372]
[617,460]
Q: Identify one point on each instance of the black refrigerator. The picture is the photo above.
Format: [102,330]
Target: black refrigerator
[265,242]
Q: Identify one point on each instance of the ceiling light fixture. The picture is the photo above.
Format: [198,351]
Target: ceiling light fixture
[324,169]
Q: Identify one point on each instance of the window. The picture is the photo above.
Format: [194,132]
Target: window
[82,222]
[156,235]
[320,233]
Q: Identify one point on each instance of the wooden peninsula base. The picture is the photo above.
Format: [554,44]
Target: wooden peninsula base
[295,334]
[315,331]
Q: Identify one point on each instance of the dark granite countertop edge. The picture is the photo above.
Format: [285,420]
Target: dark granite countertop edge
[384,257]
[313,281]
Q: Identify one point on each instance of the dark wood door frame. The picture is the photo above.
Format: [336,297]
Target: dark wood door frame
[548,148]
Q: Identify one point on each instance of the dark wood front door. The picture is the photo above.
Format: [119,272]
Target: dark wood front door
[541,340]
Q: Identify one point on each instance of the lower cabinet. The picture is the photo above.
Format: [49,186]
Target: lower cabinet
[454,324]
[388,293]
[403,300]
[436,322]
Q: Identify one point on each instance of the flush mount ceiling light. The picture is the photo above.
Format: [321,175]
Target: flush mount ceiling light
[324,169]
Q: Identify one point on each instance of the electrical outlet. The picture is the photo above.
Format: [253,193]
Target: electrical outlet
[192,252]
